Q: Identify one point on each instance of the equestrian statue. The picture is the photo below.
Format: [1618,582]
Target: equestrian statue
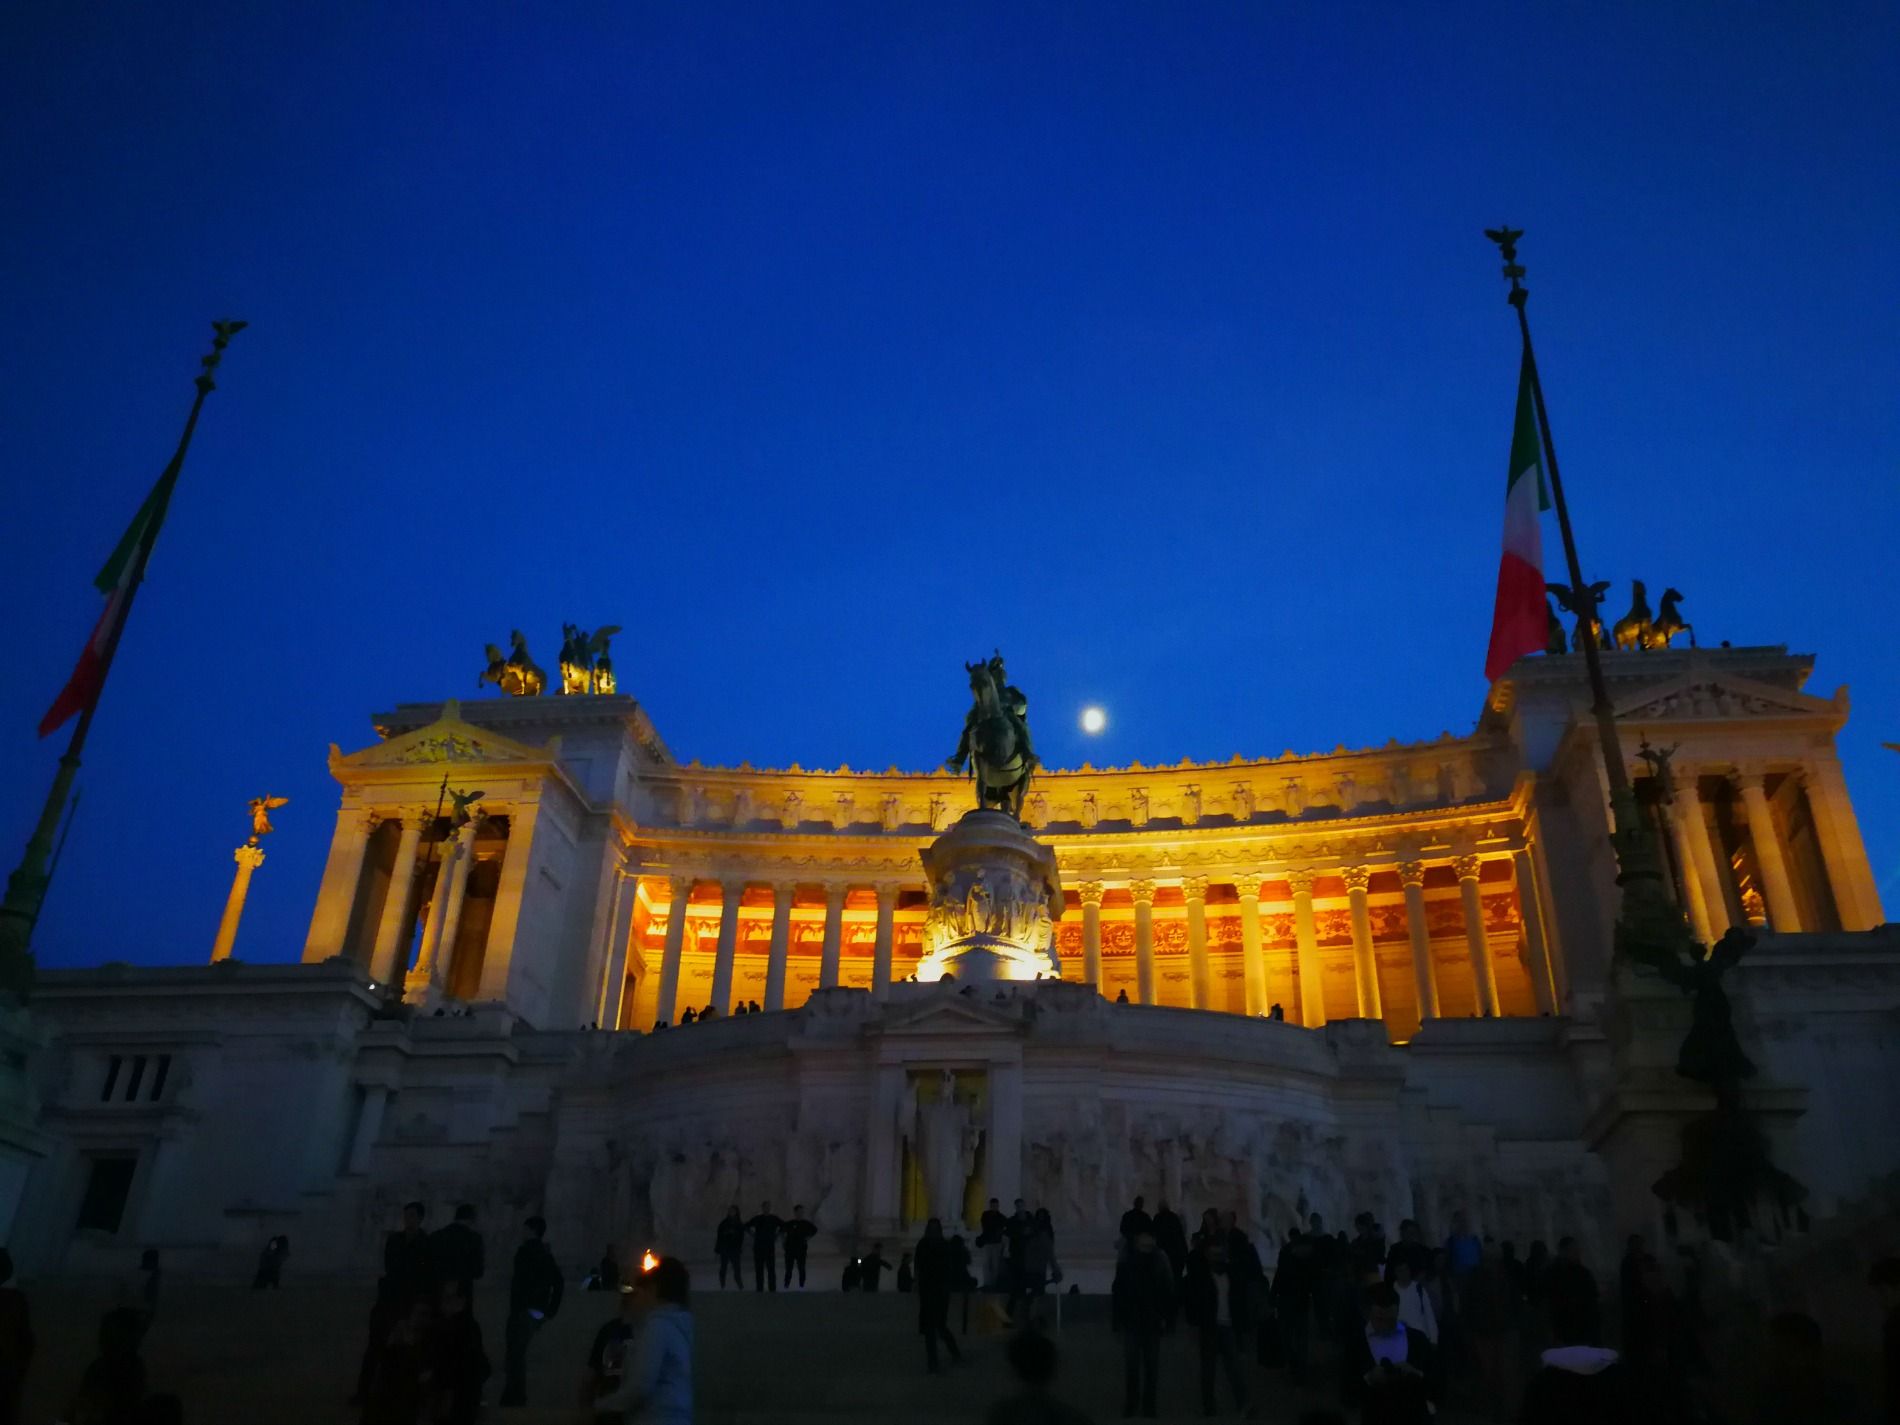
[995,741]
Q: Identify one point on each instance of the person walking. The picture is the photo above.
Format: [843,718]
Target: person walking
[1141,1303]
[728,1238]
[1387,1371]
[534,1296]
[455,1251]
[765,1228]
[1216,1306]
[799,1230]
[991,1243]
[871,1267]
[932,1268]
[270,1265]
[1038,1264]
[658,1384]
[1295,1283]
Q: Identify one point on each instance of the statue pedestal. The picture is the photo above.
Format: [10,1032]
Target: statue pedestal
[995,896]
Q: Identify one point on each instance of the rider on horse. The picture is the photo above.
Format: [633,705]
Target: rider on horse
[995,740]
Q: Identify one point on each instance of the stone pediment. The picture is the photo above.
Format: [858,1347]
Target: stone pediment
[952,1011]
[446,741]
[1703,695]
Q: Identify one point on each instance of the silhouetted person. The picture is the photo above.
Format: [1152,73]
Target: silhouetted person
[606,1271]
[1032,1356]
[1411,1249]
[753,1005]
[1016,1235]
[1367,1252]
[1121,996]
[906,1273]
[690,1015]
[1488,1320]
[1579,1381]
[765,1228]
[396,1389]
[455,1251]
[1885,1280]
[406,1262]
[1141,1305]
[1171,1238]
[992,1242]
[270,1265]
[871,1266]
[658,1384]
[1570,1289]
[799,1230]
[1215,1303]
[1386,1370]
[1135,1222]
[1036,1263]
[458,1366]
[933,1272]
[728,1238]
[139,1292]
[113,1386]
[16,1341]
[534,1296]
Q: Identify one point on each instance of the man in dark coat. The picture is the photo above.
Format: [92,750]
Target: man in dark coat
[1171,1238]
[765,1229]
[934,1274]
[1216,1305]
[407,1264]
[1135,1221]
[455,1251]
[799,1230]
[1386,1370]
[1295,1281]
[1142,1303]
[534,1295]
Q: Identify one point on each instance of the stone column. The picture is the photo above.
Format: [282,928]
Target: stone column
[1843,853]
[1253,954]
[510,891]
[1530,907]
[1090,894]
[730,894]
[402,887]
[834,935]
[463,863]
[1483,972]
[420,971]
[1364,964]
[1782,914]
[1144,894]
[613,980]
[248,858]
[1695,904]
[1424,974]
[782,892]
[679,889]
[881,950]
[1306,938]
[342,873]
[369,1126]
[1200,978]
[1710,872]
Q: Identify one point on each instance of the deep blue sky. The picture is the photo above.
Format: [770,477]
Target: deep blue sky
[826,347]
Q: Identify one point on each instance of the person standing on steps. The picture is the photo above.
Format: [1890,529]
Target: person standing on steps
[871,1266]
[799,1230]
[455,1251]
[991,1242]
[534,1296]
[932,1268]
[1171,1238]
[728,1238]
[1134,1222]
[765,1229]
[1142,1300]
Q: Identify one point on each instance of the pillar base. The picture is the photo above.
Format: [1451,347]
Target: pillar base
[995,895]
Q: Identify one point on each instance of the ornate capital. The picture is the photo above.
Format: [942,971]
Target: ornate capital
[366,819]
[887,896]
[1142,891]
[1467,867]
[1356,877]
[1247,888]
[1749,779]
[678,888]
[1090,893]
[782,893]
[1194,887]
[732,892]
[250,857]
[835,892]
[1411,873]
[1300,882]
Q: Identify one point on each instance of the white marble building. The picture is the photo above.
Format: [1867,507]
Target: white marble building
[1430,919]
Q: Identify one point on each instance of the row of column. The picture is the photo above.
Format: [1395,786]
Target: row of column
[1307,966]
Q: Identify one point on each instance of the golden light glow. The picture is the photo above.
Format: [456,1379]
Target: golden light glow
[648,1261]
[1093,720]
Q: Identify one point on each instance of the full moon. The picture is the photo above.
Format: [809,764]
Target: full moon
[1093,720]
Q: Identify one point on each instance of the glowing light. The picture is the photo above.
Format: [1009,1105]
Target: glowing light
[1093,720]
[648,1261]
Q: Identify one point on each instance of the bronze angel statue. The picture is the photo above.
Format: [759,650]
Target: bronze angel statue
[261,808]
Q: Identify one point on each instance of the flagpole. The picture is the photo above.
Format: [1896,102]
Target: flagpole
[26,887]
[1638,868]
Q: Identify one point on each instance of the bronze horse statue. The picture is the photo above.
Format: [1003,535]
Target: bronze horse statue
[1668,622]
[516,675]
[995,741]
[1633,629]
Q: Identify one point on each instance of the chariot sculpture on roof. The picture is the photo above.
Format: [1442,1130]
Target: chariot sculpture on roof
[995,741]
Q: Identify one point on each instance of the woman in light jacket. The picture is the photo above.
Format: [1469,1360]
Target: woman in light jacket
[658,1384]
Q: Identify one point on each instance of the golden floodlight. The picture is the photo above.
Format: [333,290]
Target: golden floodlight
[648,1261]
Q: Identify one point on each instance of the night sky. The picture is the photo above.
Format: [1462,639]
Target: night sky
[825,348]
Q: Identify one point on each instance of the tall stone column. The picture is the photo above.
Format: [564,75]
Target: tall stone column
[510,892]
[1364,963]
[1695,894]
[1536,944]
[730,894]
[613,979]
[782,892]
[1306,940]
[1200,978]
[1144,894]
[342,873]
[881,949]
[1782,913]
[1711,873]
[1253,954]
[1483,971]
[1090,893]
[834,935]
[1843,853]
[1424,973]
[464,862]
[679,890]
[248,858]
[402,888]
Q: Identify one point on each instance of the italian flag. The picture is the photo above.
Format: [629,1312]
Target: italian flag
[1521,621]
[116,581]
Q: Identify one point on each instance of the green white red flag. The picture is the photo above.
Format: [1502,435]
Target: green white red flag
[1521,621]
[116,580]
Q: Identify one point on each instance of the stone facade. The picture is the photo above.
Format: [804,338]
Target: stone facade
[1358,979]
